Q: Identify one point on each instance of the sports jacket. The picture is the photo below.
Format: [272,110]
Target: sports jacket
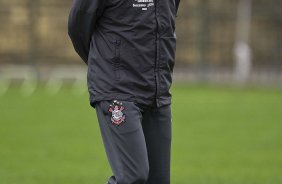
[129,47]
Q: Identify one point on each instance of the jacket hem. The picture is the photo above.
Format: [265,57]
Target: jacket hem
[94,99]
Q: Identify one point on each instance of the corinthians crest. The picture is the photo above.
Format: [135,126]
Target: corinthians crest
[116,109]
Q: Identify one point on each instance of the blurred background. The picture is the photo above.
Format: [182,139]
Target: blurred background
[227,99]
[218,41]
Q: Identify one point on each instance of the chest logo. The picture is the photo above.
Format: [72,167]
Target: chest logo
[118,116]
[143,4]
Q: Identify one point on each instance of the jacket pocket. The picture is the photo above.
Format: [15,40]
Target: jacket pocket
[116,59]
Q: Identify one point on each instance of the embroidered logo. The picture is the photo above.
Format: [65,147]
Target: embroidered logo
[143,4]
[118,116]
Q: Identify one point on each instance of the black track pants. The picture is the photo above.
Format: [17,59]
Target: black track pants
[138,150]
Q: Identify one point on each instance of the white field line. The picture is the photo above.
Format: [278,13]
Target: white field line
[55,78]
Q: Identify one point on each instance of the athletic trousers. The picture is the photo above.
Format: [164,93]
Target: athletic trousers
[138,150]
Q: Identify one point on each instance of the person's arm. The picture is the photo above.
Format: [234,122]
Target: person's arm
[177,5]
[81,23]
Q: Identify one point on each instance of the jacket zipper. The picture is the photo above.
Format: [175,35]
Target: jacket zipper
[156,70]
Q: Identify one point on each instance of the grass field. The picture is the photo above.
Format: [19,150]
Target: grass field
[220,136]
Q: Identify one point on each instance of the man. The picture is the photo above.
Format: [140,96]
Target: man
[129,47]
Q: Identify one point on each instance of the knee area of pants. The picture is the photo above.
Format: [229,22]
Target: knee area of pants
[139,178]
[142,178]
[144,175]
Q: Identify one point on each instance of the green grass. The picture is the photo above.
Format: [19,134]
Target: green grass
[220,136]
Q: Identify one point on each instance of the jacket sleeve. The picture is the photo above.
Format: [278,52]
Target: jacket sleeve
[177,2]
[81,23]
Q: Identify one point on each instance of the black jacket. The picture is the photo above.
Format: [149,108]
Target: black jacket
[129,47]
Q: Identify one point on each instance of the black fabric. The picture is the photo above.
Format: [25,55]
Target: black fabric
[82,20]
[129,47]
[177,2]
[138,150]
